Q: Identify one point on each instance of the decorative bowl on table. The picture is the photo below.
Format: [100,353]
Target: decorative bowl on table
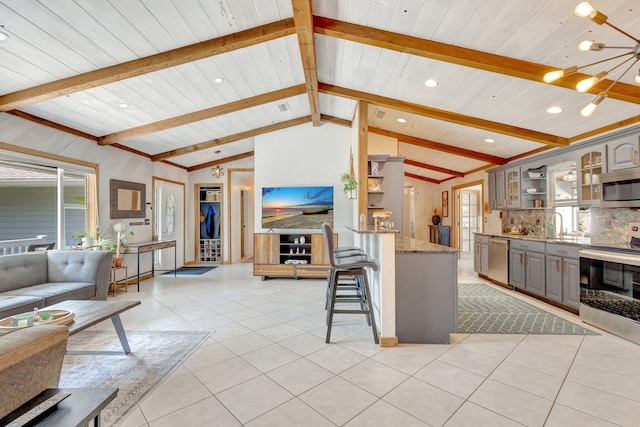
[53,317]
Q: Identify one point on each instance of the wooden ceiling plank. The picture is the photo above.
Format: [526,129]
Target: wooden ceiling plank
[207,113]
[230,138]
[433,145]
[220,161]
[421,178]
[147,64]
[421,110]
[461,56]
[303,19]
[433,168]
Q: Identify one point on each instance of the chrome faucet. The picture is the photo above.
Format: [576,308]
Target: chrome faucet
[552,222]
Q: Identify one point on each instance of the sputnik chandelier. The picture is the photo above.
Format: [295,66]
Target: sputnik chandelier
[585,10]
[217,171]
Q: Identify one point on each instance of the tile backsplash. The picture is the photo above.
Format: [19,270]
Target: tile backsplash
[607,225]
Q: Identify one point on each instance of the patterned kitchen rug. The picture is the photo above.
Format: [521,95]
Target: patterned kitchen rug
[154,354]
[485,310]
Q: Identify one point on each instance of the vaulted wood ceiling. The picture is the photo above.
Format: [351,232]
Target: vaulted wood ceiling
[281,63]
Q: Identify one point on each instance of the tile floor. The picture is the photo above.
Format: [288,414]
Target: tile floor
[266,364]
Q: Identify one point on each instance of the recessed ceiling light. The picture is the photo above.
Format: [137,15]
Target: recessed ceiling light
[218,80]
[554,110]
[402,120]
[431,83]
[489,140]
[3,36]
[123,105]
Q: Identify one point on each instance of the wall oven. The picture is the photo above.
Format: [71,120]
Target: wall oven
[610,291]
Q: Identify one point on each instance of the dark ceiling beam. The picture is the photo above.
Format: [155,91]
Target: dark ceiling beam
[421,178]
[220,161]
[447,116]
[462,56]
[433,168]
[52,125]
[230,138]
[207,113]
[303,19]
[147,64]
[446,148]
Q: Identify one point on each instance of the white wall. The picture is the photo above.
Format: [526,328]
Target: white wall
[305,155]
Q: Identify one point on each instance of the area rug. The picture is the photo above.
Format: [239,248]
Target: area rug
[485,310]
[186,271]
[153,355]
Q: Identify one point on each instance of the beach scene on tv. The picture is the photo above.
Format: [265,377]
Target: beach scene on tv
[297,207]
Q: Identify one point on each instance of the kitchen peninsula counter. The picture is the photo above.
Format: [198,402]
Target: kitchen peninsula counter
[415,291]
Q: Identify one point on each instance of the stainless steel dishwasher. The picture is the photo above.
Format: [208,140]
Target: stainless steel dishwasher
[499,260]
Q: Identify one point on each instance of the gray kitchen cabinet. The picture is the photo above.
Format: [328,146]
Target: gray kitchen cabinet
[512,177]
[623,153]
[527,265]
[591,166]
[497,190]
[481,254]
[563,274]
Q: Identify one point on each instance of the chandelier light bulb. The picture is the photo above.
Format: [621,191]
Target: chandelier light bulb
[585,10]
[586,84]
[552,76]
[588,45]
[585,45]
[591,107]
[637,78]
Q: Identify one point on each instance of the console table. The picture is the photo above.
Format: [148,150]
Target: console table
[150,246]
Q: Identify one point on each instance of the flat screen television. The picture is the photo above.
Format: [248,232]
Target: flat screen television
[302,208]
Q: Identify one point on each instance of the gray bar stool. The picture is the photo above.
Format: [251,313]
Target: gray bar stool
[354,266]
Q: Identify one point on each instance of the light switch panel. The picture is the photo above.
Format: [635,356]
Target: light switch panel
[634,229]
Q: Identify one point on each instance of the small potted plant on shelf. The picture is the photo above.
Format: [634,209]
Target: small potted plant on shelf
[85,236]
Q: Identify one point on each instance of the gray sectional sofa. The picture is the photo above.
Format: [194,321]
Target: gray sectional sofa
[39,279]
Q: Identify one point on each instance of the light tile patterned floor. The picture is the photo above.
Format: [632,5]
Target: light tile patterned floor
[267,364]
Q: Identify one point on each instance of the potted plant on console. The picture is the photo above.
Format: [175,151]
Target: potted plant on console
[119,228]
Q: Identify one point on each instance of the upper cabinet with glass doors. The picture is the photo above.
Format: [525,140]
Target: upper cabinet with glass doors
[513,188]
[591,167]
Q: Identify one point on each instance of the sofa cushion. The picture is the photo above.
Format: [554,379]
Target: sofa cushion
[20,270]
[10,305]
[74,266]
[53,293]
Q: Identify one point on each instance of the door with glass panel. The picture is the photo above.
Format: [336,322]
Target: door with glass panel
[469,218]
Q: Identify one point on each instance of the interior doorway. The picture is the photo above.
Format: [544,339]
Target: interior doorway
[468,202]
[241,215]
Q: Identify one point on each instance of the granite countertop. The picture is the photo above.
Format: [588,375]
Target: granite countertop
[581,242]
[406,245]
[373,231]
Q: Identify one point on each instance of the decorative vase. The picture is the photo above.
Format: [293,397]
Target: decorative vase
[87,241]
[435,219]
[119,261]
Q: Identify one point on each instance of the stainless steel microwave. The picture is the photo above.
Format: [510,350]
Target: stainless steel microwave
[620,189]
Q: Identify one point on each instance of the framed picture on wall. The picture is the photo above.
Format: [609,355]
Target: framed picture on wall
[445,203]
